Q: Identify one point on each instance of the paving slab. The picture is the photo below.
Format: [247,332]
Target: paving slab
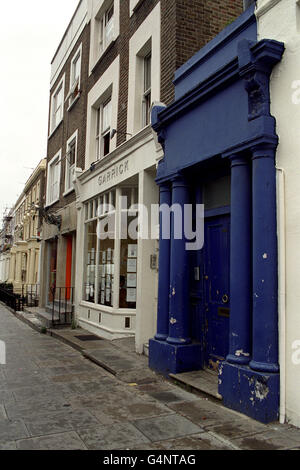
[166,427]
[62,441]
[130,412]
[11,430]
[118,436]
[269,440]
[206,413]
[202,441]
[52,423]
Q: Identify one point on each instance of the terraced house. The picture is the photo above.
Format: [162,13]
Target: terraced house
[135,48]
[115,60]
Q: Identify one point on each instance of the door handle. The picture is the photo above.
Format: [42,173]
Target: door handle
[225,299]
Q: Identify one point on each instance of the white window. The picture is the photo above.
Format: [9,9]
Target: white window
[102,114]
[75,74]
[53,179]
[106,28]
[144,71]
[146,104]
[103,128]
[57,105]
[70,165]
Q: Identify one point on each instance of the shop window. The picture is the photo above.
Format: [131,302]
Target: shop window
[91,252]
[128,252]
[102,240]
[106,262]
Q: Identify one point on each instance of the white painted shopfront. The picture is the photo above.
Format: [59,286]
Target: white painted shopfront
[117,276]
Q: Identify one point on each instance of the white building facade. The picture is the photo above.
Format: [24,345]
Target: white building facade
[280,20]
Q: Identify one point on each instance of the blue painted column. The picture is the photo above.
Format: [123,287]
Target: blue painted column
[265,281]
[240,262]
[179,268]
[164,268]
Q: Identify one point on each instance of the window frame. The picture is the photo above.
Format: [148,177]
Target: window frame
[98,43]
[146,97]
[68,167]
[55,160]
[104,40]
[54,123]
[102,133]
[74,88]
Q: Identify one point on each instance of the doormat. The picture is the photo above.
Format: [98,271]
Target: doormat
[88,338]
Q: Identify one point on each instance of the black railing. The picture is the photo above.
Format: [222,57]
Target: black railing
[61,299]
[30,294]
[11,299]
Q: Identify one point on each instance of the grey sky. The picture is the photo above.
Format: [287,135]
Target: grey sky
[30,32]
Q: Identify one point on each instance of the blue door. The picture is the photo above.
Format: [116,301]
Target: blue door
[210,297]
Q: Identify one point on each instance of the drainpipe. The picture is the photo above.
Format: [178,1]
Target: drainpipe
[282,288]
[247,3]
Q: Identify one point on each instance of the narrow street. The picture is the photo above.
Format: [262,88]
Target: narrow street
[53,398]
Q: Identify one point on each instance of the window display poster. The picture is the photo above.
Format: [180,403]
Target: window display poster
[131,265]
[132,251]
[131,295]
[131,280]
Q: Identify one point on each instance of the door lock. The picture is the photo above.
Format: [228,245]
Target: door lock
[225,299]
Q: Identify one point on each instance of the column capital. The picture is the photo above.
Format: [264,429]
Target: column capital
[179,181]
[165,187]
[237,159]
[263,150]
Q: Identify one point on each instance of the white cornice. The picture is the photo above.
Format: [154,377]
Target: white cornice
[265,7]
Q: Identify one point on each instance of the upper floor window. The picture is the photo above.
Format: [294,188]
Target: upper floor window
[57,106]
[106,28]
[71,157]
[103,128]
[147,90]
[53,179]
[144,71]
[75,74]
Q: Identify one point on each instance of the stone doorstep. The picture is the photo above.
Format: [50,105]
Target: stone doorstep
[203,381]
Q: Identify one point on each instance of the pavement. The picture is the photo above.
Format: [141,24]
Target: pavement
[66,390]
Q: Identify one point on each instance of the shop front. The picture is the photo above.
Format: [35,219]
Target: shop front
[217,303]
[117,285]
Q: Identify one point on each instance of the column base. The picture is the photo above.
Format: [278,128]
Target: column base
[253,393]
[168,358]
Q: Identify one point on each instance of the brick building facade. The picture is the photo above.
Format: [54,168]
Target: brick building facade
[116,42]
